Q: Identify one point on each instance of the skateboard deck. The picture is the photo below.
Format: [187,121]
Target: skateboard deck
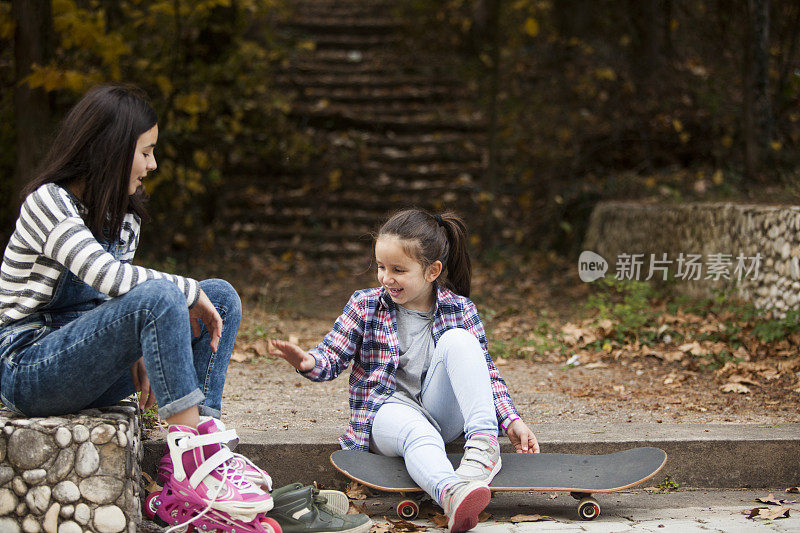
[578,474]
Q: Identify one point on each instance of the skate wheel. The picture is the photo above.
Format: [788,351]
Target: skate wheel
[151,504]
[588,509]
[271,525]
[407,509]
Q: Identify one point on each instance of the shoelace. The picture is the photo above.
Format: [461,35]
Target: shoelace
[248,462]
[208,507]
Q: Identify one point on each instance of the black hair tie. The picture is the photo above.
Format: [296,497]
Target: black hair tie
[438,219]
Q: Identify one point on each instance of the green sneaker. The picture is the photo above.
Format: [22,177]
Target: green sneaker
[299,510]
[333,499]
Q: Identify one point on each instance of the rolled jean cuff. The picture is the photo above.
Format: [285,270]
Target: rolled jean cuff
[208,411]
[181,404]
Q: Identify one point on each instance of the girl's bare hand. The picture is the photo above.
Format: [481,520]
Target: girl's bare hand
[522,437]
[205,311]
[295,355]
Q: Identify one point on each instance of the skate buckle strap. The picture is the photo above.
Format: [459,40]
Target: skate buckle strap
[209,465]
[220,437]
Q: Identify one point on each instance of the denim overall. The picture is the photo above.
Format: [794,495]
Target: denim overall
[75,352]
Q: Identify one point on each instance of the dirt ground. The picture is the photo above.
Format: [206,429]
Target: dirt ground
[263,393]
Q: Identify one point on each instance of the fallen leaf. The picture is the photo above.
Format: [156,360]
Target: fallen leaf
[771,500]
[440,520]
[501,361]
[240,357]
[596,365]
[356,491]
[767,513]
[652,490]
[553,496]
[484,516]
[406,526]
[516,519]
[795,490]
[381,528]
[152,486]
[735,387]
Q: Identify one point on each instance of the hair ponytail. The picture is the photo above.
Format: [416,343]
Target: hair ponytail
[459,266]
[430,238]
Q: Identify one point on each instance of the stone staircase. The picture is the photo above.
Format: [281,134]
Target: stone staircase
[394,128]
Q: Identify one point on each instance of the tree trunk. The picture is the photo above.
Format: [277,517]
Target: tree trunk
[644,49]
[757,109]
[32,45]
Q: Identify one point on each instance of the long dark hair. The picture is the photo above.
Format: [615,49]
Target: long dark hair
[430,238]
[94,145]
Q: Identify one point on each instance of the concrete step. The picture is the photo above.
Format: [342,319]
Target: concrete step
[344,24]
[699,455]
[350,42]
[401,95]
[341,118]
[357,81]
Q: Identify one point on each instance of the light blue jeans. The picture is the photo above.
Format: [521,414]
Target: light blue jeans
[457,393]
[77,353]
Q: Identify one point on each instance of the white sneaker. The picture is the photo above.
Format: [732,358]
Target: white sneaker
[481,461]
[463,502]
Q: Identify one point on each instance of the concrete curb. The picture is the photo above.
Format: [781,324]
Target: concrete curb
[700,455]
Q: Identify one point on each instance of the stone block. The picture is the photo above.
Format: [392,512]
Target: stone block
[71,473]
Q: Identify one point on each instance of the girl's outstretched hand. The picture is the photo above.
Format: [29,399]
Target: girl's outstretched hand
[205,311]
[297,357]
[522,438]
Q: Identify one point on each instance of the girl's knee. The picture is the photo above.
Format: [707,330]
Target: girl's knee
[223,295]
[460,340]
[160,294]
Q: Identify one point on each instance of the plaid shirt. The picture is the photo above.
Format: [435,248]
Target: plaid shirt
[366,334]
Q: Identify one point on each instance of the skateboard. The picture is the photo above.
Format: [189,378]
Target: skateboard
[580,475]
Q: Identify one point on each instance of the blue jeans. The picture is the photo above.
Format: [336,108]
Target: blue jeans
[77,353]
[458,395]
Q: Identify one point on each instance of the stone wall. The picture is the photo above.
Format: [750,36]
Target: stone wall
[619,229]
[71,474]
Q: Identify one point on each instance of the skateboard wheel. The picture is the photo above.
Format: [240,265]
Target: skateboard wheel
[151,504]
[588,509]
[407,510]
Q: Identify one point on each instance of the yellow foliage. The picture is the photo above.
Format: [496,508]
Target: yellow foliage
[335,179]
[605,73]
[7,24]
[677,124]
[532,26]
[201,159]
[191,103]
[717,177]
[775,145]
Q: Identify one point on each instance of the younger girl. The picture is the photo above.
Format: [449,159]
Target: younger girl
[81,327]
[422,374]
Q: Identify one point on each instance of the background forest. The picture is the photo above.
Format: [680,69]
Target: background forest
[581,100]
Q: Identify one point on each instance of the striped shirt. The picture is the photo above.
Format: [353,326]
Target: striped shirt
[51,237]
[366,335]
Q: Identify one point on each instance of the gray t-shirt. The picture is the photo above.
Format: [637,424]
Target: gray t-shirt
[415,334]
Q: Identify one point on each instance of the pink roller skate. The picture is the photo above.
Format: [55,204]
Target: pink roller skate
[205,491]
[240,463]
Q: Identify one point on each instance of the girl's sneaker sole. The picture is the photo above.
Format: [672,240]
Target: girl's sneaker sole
[465,517]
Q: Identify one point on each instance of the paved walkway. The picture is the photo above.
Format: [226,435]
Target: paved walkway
[637,511]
